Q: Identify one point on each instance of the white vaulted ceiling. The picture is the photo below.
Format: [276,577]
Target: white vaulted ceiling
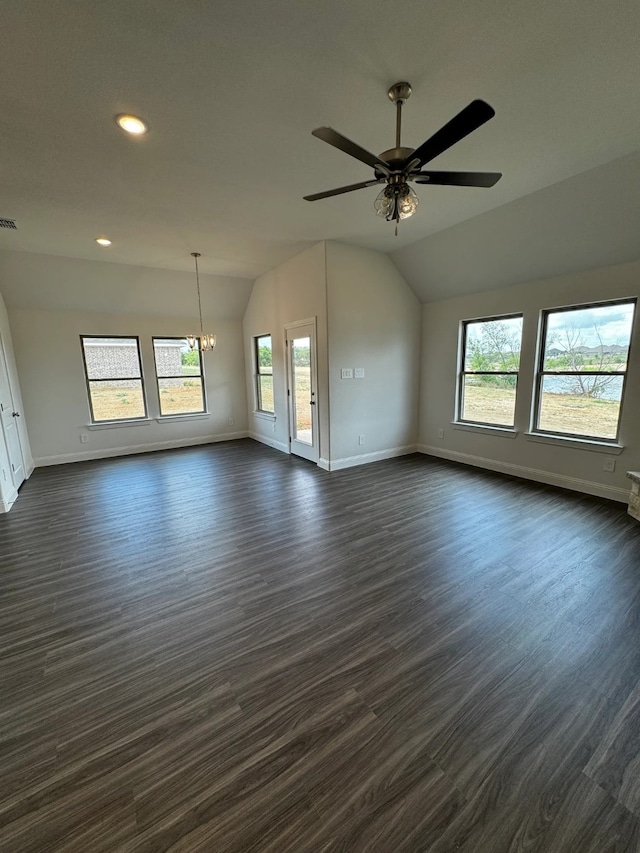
[232,89]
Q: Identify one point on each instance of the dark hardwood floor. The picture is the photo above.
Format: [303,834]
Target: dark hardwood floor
[226,649]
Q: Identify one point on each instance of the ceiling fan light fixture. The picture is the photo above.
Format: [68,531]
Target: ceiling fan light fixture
[396,201]
[384,204]
[408,203]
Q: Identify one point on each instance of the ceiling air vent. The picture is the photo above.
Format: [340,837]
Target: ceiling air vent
[8,223]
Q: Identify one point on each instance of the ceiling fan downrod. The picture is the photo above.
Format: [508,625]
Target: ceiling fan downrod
[398,94]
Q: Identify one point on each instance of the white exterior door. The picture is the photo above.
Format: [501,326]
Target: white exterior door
[302,382]
[8,417]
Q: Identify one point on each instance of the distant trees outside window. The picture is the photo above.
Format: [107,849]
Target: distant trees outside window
[114,378]
[180,377]
[490,362]
[582,369]
[264,373]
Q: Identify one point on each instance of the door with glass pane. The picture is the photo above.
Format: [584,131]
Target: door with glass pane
[302,397]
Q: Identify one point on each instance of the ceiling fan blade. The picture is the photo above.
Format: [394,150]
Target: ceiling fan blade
[458,179]
[341,190]
[328,134]
[469,119]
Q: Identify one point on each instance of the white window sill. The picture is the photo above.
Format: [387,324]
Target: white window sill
[122,423]
[576,443]
[265,416]
[505,432]
[188,416]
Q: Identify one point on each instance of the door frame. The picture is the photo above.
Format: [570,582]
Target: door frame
[5,367]
[315,421]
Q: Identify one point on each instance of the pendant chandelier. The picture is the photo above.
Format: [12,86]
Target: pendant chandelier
[202,342]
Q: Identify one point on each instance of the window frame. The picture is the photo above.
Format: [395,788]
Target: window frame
[462,373]
[200,376]
[88,381]
[541,372]
[258,373]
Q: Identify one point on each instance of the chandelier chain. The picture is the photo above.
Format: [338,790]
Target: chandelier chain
[196,256]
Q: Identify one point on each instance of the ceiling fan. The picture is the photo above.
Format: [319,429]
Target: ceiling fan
[398,166]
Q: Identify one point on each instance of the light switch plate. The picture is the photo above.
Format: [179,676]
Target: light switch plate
[359,373]
[347,373]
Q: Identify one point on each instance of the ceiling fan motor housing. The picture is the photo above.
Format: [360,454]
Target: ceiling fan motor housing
[395,158]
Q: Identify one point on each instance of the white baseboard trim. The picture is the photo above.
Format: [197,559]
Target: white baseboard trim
[365,458]
[128,450]
[324,464]
[549,478]
[7,502]
[270,442]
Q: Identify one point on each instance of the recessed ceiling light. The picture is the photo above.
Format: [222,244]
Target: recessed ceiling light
[132,124]
[103,241]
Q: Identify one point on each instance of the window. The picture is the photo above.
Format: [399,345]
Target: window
[489,370]
[179,375]
[264,373]
[582,370]
[114,378]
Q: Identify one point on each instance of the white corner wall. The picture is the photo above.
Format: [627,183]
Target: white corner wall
[374,324]
[51,301]
[578,469]
[296,290]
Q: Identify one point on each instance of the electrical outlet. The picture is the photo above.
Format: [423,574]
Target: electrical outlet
[360,439]
[347,373]
[84,437]
[358,373]
[440,433]
[609,465]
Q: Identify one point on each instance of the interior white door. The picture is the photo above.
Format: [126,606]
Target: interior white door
[302,396]
[8,418]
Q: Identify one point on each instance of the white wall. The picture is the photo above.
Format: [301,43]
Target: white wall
[51,301]
[367,317]
[7,492]
[51,282]
[296,290]
[374,323]
[55,395]
[557,464]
